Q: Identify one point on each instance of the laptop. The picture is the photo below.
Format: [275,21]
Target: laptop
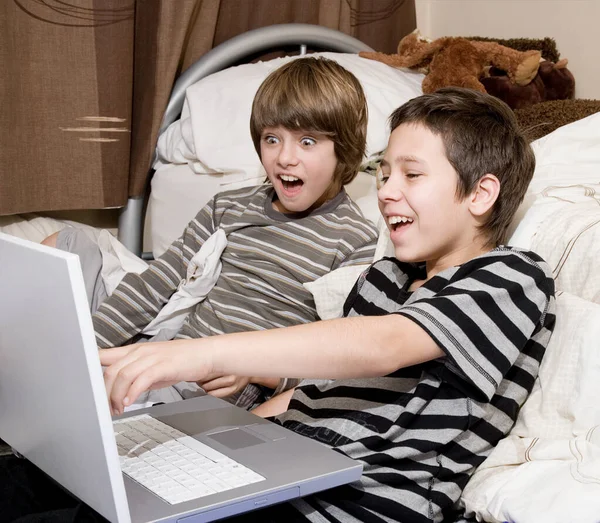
[54,412]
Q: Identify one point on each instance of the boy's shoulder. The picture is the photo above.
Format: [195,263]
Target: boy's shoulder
[247,192]
[513,259]
[510,255]
[345,207]
[502,264]
[504,254]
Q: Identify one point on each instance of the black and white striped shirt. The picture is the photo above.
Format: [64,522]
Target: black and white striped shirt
[421,431]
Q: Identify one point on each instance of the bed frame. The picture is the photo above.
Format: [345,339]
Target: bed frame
[231,52]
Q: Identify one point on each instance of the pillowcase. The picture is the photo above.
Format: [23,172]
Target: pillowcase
[570,155]
[563,227]
[548,467]
[213,134]
[559,218]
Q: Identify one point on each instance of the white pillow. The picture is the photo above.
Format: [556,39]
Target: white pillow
[568,156]
[559,216]
[548,468]
[563,227]
[213,134]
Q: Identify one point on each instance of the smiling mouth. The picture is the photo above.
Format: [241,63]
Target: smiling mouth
[397,222]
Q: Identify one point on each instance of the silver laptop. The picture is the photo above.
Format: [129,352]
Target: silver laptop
[201,458]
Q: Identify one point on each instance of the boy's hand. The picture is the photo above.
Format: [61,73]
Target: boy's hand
[224,386]
[134,369]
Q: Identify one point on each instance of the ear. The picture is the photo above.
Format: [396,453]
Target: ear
[485,194]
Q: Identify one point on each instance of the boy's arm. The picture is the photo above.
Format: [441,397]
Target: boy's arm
[342,348]
[139,297]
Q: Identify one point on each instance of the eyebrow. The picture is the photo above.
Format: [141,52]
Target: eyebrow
[404,159]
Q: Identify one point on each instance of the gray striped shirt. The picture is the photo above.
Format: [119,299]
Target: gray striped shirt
[269,255]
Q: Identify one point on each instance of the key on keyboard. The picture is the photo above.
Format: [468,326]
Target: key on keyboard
[171,464]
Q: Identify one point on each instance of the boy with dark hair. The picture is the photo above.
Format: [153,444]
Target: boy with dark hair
[309,125]
[439,346]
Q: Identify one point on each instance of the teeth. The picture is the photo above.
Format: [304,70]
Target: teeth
[289,178]
[392,220]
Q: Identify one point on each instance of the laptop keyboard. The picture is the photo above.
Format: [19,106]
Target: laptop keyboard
[171,464]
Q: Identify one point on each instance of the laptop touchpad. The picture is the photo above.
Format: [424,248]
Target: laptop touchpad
[235,439]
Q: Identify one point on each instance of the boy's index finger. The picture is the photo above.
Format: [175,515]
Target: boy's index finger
[110,356]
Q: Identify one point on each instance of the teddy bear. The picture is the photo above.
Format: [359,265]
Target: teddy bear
[553,82]
[458,61]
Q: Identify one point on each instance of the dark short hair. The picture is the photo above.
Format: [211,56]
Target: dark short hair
[318,95]
[480,135]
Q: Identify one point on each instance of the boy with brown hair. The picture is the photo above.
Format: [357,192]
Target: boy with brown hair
[439,346]
[309,125]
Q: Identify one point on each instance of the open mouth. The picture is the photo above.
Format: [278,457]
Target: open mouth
[399,222]
[290,183]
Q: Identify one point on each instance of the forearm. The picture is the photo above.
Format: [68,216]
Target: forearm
[355,347]
[341,348]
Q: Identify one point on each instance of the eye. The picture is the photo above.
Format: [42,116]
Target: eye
[381,177]
[308,142]
[412,175]
[270,139]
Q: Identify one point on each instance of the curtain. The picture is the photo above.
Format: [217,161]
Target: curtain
[86,83]
[66,105]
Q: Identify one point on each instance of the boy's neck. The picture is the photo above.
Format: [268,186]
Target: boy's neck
[453,259]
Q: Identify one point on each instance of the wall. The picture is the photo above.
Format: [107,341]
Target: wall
[572,23]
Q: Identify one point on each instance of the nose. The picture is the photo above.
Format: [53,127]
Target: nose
[287,153]
[390,191]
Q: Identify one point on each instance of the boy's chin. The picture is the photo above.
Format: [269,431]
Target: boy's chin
[290,207]
[404,255]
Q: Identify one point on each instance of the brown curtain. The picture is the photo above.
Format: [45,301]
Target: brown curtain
[85,83]
[66,103]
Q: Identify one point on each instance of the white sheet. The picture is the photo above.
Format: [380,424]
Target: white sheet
[548,468]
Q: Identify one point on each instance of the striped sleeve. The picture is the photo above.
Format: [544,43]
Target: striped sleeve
[139,297]
[485,315]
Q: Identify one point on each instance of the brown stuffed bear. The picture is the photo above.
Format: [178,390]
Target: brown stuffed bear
[459,62]
[553,82]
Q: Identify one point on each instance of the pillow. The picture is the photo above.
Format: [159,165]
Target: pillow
[568,156]
[558,216]
[548,467]
[213,134]
[563,227]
